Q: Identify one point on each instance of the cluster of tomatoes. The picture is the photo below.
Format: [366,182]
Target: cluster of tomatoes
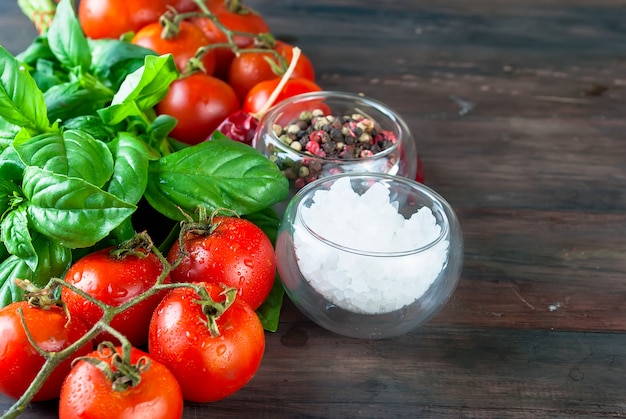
[195,336]
[228,59]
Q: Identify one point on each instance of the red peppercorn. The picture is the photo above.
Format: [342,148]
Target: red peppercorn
[317,136]
[312,147]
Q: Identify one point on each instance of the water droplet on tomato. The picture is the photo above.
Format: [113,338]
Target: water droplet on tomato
[221,349]
[116,291]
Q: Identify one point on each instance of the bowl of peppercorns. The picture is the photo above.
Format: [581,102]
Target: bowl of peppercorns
[318,134]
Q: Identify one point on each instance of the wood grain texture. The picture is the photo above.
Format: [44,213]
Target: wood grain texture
[519,110]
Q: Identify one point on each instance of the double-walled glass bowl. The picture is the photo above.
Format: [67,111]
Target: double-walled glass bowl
[301,166]
[369,255]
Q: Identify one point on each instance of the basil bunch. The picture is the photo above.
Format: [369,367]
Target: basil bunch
[81,147]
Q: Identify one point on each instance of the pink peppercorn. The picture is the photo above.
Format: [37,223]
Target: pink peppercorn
[312,147]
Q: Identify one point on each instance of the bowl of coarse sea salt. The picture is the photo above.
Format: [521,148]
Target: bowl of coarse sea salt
[369,255]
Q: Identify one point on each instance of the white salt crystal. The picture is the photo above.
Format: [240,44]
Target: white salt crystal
[361,283]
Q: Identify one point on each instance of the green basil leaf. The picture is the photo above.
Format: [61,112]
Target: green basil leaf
[54,260]
[161,127]
[113,59]
[11,165]
[72,99]
[220,173]
[70,153]
[21,101]
[16,236]
[39,49]
[92,125]
[8,132]
[71,211]
[67,40]
[130,172]
[158,134]
[12,268]
[8,192]
[142,89]
[269,311]
[48,74]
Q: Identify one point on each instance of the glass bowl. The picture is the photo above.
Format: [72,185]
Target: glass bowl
[380,142]
[369,255]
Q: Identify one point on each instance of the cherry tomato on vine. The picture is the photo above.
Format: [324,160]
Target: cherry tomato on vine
[183,45]
[114,280]
[208,367]
[258,96]
[200,103]
[113,18]
[235,17]
[88,393]
[250,68]
[20,362]
[234,252]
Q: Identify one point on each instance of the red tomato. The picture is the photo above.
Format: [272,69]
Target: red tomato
[208,368]
[236,253]
[182,46]
[250,68]
[258,96]
[200,103]
[87,393]
[114,282]
[241,19]
[113,18]
[20,362]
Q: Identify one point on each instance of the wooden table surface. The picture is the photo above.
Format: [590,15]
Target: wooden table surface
[519,112]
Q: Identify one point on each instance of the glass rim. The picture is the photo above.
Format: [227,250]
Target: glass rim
[403,134]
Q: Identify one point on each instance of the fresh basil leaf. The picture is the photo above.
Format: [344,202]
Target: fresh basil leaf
[21,101]
[8,192]
[142,89]
[69,210]
[158,134]
[39,49]
[70,153]
[92,125]
[8,131]
[11,165]
[161,127]
[54,260]
[67,40]
[130,172]
[269,311]
[113,59]
[16,236]
[48,74]
[220,173]
[12,268]
[72,99]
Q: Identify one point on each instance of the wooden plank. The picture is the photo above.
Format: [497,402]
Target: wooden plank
[435,371]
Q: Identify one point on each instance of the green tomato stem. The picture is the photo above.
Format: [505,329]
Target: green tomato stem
[40,12]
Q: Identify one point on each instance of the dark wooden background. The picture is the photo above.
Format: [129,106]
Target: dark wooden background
[519,114]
